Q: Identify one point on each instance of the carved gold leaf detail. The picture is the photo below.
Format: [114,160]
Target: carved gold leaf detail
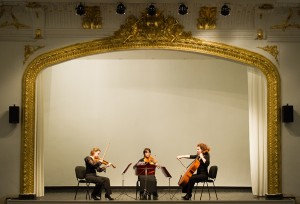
[92,19]
[29,50]
[259,34]
[286,23]
[273,50]
[12,19]
[207,18]
[151,28]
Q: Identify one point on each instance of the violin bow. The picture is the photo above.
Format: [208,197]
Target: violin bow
[106,148]
[182,164]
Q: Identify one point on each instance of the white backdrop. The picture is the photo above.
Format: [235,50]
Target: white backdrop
[163,100]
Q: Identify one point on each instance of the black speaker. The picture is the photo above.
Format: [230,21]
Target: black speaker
[287,114]
[14,112]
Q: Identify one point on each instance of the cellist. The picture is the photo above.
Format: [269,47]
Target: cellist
[202,171]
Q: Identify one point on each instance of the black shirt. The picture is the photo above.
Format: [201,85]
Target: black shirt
[203,168]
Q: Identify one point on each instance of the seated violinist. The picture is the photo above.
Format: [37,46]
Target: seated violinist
[93,163]
[148,183]
[202,160]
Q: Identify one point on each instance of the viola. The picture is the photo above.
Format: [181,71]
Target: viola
[150,160]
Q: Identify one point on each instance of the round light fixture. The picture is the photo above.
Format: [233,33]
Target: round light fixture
[225,10]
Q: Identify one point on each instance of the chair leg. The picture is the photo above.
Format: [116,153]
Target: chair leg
[202,190]
[215,190]
[195,190]
[87,195]
[208,189]
[76,191]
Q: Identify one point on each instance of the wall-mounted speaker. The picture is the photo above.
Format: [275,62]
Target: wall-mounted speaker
[14,112]
[287,114]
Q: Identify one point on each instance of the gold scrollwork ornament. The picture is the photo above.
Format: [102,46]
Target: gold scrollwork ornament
[92,19]
[272,50]
[207,18]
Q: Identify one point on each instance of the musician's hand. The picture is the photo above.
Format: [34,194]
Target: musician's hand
[179,157]
[108,165]
[101,160]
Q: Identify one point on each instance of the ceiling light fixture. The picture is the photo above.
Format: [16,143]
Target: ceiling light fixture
[182,9]
[151,10]
[80,9]
[120,8]
[225,10]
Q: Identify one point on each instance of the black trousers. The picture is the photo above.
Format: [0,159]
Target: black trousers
[188,188]
[148,183]
[100,182]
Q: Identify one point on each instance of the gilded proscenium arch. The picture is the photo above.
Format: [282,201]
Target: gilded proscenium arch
[150,33]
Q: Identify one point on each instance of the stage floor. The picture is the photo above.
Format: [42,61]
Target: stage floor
[128,195]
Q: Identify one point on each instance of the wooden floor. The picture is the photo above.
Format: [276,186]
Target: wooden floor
[128,195]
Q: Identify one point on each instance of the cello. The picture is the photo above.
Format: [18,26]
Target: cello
[184,179]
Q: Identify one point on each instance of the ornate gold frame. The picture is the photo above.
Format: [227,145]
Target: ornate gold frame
[150,32]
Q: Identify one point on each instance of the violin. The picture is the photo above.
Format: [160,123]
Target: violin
[150,160]
[105,162]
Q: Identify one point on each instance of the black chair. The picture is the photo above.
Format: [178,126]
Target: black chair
[80,176]
[212,175]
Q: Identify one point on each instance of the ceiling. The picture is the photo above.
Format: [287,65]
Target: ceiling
[248,2]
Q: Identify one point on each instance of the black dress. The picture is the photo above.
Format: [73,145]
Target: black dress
[91,176]
[148,183]
[201,174]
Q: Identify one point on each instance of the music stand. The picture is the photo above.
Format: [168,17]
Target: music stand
[168,175]
[123,181]
[145,169]
[176,191]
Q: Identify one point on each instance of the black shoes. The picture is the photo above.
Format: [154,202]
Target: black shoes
[95,197]
[148,197]
[108,197]
[187,197]
[143,197]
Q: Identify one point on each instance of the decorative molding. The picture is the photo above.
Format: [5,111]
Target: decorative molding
[11,19]
[286,23]
[29,50]
[147,33]
[92,19]
[38,34]
[207,18]
[259,34]
[35,6]
[151,28]
[273,50]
